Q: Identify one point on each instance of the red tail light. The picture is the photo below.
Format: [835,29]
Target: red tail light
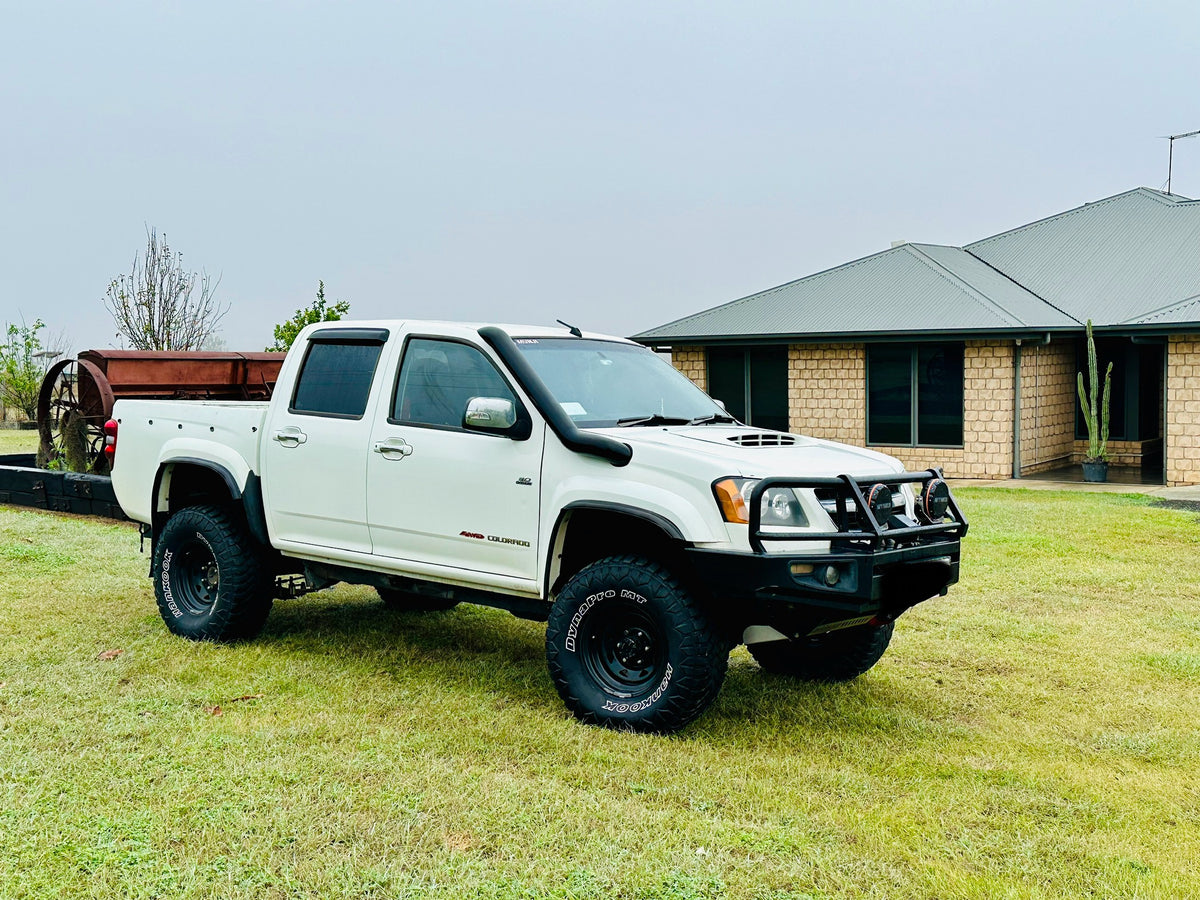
[110,441]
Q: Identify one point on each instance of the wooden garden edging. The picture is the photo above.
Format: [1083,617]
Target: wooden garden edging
[22,484]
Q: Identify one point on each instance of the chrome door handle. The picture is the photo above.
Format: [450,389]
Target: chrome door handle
[393,448]
[291,436]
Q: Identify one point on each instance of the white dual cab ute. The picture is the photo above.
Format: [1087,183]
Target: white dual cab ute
[571,478]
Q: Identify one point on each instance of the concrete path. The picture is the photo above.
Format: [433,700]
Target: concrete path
[1158,491]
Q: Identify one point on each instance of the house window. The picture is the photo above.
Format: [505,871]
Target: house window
[915,395]
[752,384]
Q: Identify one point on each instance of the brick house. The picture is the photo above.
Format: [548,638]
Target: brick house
[965,357]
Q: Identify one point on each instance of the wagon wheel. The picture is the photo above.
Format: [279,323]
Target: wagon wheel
[74,403]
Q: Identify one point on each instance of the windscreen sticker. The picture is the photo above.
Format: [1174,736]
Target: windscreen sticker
[571,408]
[526,341]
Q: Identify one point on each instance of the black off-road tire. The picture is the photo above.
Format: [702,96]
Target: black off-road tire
[409,601]
[628,648]
[209,576]
[836,656]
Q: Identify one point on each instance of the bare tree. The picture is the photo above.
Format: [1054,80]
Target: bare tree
[153,305]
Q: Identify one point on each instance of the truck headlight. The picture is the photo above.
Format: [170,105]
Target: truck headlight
[779,505]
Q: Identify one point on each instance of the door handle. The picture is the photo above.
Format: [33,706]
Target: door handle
[393,448]
[291,436]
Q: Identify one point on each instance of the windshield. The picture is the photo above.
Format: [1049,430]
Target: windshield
[603,383]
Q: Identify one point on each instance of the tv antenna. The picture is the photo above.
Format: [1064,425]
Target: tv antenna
[1171,139]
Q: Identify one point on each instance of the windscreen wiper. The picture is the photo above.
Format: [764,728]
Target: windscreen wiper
[714,419]
[653,419]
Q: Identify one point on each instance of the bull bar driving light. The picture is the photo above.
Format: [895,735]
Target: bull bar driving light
[857,520]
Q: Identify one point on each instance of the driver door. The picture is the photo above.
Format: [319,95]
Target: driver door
[440,493]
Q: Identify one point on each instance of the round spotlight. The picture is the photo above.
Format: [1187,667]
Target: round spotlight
[879,498]
[934,500]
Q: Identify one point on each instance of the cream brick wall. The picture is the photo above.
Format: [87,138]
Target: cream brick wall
[827,391]
[1120,453]
[987,418]
[692,362]
[827,395]
[827,399]
[1182,452]
[1047,405]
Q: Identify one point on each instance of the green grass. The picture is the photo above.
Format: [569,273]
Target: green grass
[13,440]
[1033,734]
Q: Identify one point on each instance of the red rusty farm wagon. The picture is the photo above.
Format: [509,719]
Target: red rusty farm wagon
[77,395]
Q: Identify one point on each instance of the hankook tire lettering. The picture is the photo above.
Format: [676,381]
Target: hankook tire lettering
[610,706]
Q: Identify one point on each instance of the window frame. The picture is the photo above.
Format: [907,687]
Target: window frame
[522,411]
[914,390]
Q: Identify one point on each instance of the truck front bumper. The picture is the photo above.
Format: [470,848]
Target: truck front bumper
[879,564]
[803,591]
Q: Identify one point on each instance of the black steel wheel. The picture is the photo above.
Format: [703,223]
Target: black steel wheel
[197,577]
[628,647]
[209,578]
[836,656]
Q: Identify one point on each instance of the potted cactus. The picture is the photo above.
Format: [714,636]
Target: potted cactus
[1095,414]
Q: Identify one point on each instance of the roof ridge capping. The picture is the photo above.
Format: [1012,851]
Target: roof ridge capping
[1147,193]
[959,282]
[1148,317]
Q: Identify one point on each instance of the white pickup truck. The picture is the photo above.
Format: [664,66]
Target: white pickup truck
[571,478]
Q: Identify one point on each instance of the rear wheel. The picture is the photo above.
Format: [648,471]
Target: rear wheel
[836,656]
[628,648]
[209,578]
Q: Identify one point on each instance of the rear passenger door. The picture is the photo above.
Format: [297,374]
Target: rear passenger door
[316,443]
[442,495]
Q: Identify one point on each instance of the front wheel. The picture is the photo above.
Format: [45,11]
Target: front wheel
[836,656]
[628,648]
[209,578]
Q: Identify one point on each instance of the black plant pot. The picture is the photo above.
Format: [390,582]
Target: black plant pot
[1095,471]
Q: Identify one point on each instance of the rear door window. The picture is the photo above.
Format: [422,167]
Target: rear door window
[335,379]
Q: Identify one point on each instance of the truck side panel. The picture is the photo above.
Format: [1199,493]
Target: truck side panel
[151,433]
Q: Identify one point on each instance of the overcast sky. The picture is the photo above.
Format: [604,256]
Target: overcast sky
[616,165]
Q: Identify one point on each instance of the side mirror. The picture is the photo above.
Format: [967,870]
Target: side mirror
[496,415]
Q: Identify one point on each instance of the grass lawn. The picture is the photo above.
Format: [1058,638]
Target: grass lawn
[14,440]
[1033,734]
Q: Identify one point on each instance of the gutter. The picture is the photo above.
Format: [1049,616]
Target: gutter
[854,337]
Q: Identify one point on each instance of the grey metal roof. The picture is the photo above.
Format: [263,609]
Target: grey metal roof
[1132,260]
[913,288]
[1118,261]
